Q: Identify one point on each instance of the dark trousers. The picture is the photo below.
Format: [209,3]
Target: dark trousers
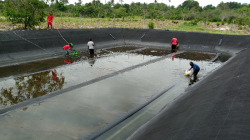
[91,51]
[173,47]
[196,72]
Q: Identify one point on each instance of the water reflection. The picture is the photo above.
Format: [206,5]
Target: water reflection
[69,59]
[173,57]
[91,60]
[31,86]
[192,81]
[174,50]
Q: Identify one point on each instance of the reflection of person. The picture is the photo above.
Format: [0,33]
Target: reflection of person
[192,81]
[91,60]
[91,45]
[54,75]
[67,60]
[174,42]
[68,47]
[195,68]
[50,20]
[173,57]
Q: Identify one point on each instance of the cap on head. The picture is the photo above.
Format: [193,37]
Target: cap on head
[71,44]
[90,39]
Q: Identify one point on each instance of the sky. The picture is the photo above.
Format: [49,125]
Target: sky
[173,2]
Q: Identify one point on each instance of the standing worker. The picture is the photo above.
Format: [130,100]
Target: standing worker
[195,68]
[91,45]
[68,47]
[174,43]
[50,20]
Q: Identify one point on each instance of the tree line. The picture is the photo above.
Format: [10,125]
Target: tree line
[189,10]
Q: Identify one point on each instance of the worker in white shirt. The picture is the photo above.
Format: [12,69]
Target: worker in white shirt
[91,45]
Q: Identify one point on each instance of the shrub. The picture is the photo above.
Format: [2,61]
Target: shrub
[151,25]
[193,23]
[245,27]
[173,21]
[222,23]
[240,28]
[218,23]
[208,23]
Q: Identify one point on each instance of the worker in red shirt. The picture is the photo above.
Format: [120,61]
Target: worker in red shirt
[50,20]
[68,47]
[174,43]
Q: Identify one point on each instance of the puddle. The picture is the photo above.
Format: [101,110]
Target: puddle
[196,56]
[223,57]
[83,111]
[28,86]
[154,52]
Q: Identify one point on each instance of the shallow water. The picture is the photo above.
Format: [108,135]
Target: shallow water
[28,86]
[79,113]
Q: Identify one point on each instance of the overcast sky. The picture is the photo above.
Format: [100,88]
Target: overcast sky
[173,2]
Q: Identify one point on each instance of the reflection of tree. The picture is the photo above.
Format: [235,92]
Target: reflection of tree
[31,86]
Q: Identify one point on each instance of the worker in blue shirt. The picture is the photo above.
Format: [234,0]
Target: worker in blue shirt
[195,68]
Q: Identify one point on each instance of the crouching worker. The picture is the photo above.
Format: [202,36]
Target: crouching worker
[68,47]
[195,68]
[91,45]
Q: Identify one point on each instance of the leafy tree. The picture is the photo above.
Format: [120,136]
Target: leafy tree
[189,4]
[117,6]
[1,6]
[234,5]
[27,12]
[209,7]
[121,12]
[223,6]
[60,6]
[126,6]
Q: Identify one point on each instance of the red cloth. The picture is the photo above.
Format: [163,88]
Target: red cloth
[66,47]
[174,41]
[50,18]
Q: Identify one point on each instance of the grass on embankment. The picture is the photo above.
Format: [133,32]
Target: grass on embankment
[197,28]
[133,22]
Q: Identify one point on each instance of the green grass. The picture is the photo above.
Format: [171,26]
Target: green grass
[136,22]
[200,29]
